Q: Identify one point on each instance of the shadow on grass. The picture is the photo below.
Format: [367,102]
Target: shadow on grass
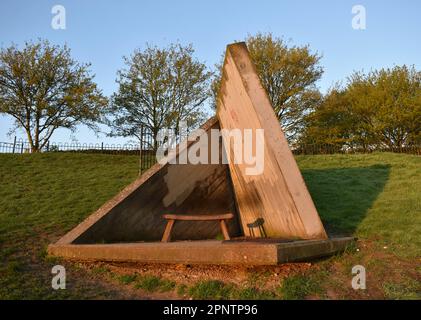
[344,195]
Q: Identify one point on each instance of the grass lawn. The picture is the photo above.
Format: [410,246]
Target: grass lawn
[375,197]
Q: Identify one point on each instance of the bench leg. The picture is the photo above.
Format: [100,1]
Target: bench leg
[224,230]
[262,231]
[167,233]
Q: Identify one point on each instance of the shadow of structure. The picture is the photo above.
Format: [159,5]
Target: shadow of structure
[343,196]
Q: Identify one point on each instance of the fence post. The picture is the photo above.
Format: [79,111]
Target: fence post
[21,147]
[14,145]
[140,149]
[102,146]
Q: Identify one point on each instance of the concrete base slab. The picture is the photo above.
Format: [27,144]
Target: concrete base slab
[204,252]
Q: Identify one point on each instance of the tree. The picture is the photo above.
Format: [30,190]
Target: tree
[288,74]
[159,88]
[44,89]
[387,104]
[374,110]
[329,122]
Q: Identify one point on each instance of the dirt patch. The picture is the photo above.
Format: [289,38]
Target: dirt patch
[262,277]
[382,267]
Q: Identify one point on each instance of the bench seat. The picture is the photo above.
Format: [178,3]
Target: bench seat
[217,217]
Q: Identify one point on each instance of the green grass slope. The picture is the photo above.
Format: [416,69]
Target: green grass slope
[375,197]
[42,196]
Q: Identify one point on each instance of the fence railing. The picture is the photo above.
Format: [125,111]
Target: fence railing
[145,148]
[314,149]
[13,147]
[20,146]
[147,154]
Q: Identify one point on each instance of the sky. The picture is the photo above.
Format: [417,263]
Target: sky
[103,31]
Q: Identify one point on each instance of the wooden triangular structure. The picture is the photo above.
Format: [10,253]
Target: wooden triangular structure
[278,195]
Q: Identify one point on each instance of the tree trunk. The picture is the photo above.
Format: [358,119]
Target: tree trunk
[34,146]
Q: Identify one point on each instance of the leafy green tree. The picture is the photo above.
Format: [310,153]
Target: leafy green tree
[289,74]
[44,89]
[374,110]
[329,123]
[387,105]
[159,88]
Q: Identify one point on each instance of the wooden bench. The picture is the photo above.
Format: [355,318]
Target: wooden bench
[173,217]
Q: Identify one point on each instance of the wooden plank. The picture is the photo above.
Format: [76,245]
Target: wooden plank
[202,217]
[173,217]
[167,233]
[279,194]
[224,230]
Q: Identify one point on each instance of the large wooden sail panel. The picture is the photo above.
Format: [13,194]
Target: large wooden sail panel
[278,194]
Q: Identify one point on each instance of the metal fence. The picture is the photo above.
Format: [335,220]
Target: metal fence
[146,153]
[13,147]
[314,149]
[146,149]
[20,146]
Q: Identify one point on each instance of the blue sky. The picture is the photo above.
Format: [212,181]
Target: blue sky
[101,32]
